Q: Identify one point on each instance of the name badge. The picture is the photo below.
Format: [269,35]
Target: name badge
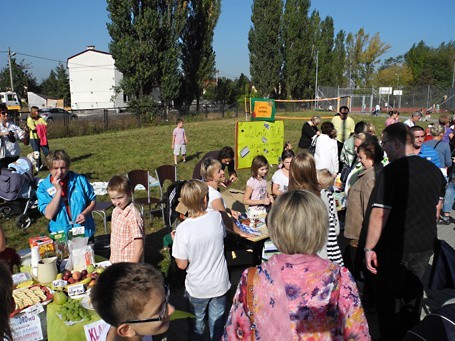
[51,191]
[78,230]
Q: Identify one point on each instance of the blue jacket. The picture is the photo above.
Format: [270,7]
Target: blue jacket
[80,194]
[431,155]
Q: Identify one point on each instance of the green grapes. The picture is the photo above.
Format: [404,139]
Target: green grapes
[73,311]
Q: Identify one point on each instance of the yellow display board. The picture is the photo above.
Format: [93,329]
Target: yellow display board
[258,138]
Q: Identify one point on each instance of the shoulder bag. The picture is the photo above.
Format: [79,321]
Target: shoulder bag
[249,300]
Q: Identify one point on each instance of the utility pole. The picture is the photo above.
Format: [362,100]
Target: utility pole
[10,69]
[316,85]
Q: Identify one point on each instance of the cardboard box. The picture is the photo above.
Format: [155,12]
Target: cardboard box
[45,244]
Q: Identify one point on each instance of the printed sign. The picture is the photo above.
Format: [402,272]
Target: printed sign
[93,330]
[26,327]
[262,109]
[75,290]
[258,138]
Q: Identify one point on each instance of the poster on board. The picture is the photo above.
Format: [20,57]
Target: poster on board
[263,109]
[258,138]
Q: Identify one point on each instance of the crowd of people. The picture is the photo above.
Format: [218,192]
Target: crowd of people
[313,288]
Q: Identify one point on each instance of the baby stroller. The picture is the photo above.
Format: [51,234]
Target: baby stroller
[18,190]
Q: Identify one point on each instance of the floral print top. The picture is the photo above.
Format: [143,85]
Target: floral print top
[319,302]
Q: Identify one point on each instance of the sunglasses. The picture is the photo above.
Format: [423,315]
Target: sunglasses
[162,314]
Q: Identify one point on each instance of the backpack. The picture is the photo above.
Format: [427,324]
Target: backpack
[171,200]
[312,149]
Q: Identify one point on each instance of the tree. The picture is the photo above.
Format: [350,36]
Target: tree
[49,85]
[23,80]
[198,57]
[63,83]
[325,45]
[339,59]
[265,43]
[297,44]
[370,57]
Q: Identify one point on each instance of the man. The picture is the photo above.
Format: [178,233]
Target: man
[226,156]
[10,135]
[401,231]
[344,125]
[423,151]
[411,122]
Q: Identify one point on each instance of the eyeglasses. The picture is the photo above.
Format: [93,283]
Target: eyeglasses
[162,314]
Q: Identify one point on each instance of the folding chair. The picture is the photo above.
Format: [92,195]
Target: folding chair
[140,177]
[101,210]
[163,173]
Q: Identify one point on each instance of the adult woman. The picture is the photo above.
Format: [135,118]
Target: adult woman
[65,198]
[326,154]
[302,175]
[437,131]
[38,132]
[297,295]
[10,134]
[370,156]
[348,153]
[309,129]
[6,301]
[393,118]
[280,179]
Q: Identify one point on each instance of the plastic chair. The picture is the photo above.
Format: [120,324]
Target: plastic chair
[163,173]
[100,210]
[140,177]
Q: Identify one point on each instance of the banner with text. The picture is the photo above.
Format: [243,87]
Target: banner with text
[262,109]
[258,138]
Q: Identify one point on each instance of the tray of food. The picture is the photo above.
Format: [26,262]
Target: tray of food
[26,297]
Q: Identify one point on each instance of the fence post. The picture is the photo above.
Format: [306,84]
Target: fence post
[206,111]
[106,119]
[222,110]
[237,109]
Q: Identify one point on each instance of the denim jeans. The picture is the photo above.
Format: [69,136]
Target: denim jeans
[35,144]
[449,197]
[216,307]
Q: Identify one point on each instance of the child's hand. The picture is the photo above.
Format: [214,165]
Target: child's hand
[266,201]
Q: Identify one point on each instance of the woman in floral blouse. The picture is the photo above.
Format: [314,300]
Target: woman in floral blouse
[298,295]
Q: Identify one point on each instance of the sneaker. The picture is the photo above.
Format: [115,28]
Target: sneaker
[184,161]
[442,221]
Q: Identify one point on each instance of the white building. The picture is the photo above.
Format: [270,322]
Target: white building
[41,101]
[93,77]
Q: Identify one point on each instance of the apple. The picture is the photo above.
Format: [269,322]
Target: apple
[65,277]
[95,275]
[92,283]
[71,280]
[67,273]
[90,268]
[76,275]
[84,273]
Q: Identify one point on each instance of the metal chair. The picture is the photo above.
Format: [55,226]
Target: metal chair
[163,173]
[100,210]
[140,177]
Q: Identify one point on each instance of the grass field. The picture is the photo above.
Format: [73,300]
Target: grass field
[106,154]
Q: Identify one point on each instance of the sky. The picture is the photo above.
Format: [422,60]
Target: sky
[44,32]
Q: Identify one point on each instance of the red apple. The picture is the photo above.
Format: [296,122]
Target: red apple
[84,273]
[65,277]
[71,280]
[76,275]
[67,273]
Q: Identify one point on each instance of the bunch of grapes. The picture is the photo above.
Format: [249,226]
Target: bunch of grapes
[73,311]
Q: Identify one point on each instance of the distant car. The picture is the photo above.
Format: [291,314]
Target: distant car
[51,114]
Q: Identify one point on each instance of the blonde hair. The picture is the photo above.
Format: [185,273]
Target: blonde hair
[297,223]
[208,168]
[194,196]
[325,178]
[436,130]
[302,173]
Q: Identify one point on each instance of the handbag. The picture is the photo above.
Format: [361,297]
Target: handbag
[2,148]
[26,139]
[249,299]
[312,149]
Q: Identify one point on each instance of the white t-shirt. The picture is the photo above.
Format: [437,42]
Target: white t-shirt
[213,195]
[326,154]
[409,123]
[105,331]
[201,241]
[281,179]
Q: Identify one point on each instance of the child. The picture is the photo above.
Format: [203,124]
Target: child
[127,227]
[179,141]
[133,300]
[256,194]
[199,248]
[280,179]
[326,179]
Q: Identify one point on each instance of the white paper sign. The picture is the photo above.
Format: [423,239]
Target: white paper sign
[59,283]
[76,290]
[93,330]
[26,327]
[76,231]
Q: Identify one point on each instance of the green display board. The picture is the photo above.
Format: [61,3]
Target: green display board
[258,138]
[263,109]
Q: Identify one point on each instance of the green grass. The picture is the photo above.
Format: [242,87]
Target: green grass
[103,155]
